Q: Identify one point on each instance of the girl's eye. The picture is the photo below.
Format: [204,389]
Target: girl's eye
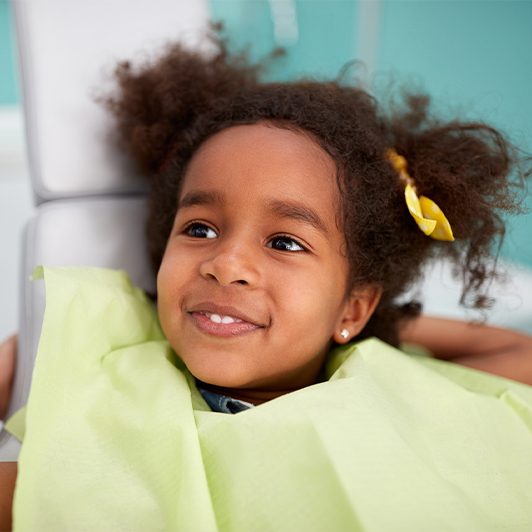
[285,243]
[199,230]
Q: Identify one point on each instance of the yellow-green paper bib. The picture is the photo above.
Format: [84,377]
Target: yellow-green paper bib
[118,438]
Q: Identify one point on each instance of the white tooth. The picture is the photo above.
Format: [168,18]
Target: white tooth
[216,318]
[228,319]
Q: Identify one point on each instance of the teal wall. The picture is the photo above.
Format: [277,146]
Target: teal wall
[324,42]
[475,54]
[8,86]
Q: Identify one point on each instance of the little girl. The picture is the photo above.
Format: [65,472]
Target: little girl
[284,223]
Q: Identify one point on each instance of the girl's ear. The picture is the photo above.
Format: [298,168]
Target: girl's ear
[358,308]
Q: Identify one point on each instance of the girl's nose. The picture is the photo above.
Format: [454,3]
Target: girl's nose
[231,264]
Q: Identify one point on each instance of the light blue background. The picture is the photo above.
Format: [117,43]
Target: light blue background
[8,86]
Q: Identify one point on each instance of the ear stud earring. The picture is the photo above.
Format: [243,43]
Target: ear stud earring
[344,333]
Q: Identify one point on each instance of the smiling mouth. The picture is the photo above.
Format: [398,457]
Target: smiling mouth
[222,321]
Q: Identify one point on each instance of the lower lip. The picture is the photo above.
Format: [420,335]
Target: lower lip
[227,330]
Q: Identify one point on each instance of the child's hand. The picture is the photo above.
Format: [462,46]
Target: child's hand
[8,355]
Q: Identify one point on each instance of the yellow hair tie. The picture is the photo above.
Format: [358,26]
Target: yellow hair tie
[428,216]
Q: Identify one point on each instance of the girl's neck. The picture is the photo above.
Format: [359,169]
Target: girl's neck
[255,396]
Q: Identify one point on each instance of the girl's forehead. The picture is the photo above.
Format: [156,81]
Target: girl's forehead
[266,160]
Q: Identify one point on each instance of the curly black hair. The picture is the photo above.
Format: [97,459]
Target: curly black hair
[168,107]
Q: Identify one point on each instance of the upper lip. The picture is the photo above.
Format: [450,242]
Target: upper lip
[225,310]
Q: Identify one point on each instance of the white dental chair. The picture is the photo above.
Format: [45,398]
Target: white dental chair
[90,207]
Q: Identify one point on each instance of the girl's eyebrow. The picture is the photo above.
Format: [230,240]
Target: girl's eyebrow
[297,211]
[200,197]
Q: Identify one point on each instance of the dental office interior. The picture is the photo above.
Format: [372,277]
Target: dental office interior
[474,58]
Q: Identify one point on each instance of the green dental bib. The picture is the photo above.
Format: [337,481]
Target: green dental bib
[118,437]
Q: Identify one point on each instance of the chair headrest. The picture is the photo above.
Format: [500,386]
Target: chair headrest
[68,51]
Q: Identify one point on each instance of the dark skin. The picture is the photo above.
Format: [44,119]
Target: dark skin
[8,475]
[8,470]
[490,349]
[8,352]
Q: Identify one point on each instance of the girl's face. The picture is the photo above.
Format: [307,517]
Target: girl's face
[252,286]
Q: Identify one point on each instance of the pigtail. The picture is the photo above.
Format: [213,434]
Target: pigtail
[158,101]
[474,174]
